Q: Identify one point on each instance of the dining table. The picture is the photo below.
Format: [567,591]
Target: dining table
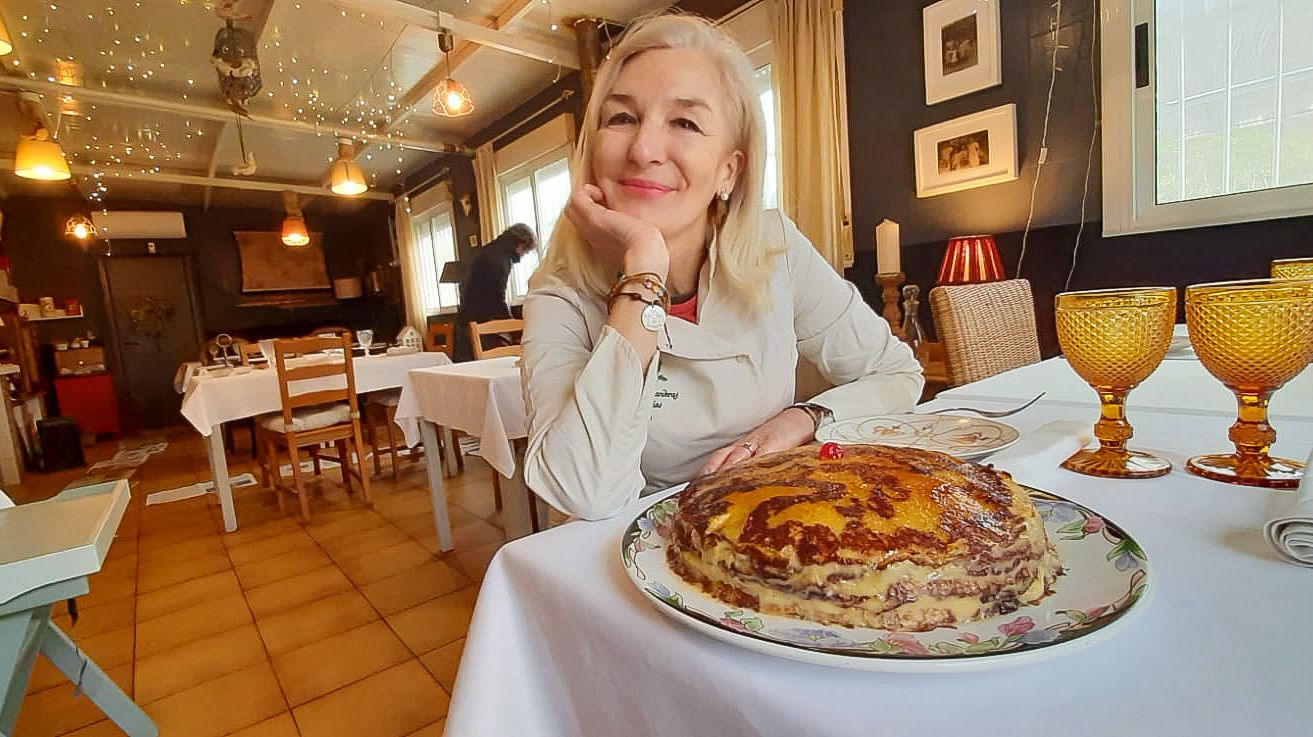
[563,643]
[212,398]
[484,399]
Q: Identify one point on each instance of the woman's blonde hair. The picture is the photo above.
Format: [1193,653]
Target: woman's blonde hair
[742,260]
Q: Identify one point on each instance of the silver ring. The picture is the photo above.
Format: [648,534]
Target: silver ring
[749,446]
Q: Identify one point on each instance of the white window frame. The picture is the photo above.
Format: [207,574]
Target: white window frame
[1129,138]
[750,26]
[432,208]
[504,179]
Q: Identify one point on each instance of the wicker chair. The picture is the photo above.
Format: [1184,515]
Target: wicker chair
[985,329]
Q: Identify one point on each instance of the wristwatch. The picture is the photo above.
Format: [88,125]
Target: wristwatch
[818,413]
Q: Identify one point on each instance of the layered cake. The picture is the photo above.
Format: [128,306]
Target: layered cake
[894,538]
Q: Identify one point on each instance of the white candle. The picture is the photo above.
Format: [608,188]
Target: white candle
[886,248]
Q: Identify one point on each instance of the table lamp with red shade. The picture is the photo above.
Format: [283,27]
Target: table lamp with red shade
[970,259]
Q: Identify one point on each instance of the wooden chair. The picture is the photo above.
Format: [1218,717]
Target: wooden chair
[495,327]
[329,330]
[234,350]
[312,417]
[250,353]
[985,329]
[440,338]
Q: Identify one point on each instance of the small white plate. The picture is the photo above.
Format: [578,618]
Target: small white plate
[968,438]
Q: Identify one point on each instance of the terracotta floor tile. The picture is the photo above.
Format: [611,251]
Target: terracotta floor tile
[93,620]
[221,706]
[56,711]
[182,667]
[296,591]
[347,522]
[474,562]
[393,703]
[247,533]
[154,556]
[404,504]
[444,662]
[287,631]
[104,728]
[44,675]
[380,564]
[169,599]
[162,533]
[109,649]
[415,586]
[432,730]
[192,623]
[107,591]
[286,565]
[320,667]
[270,547]
[151,578]
[435,623]
[280,726]
[477,534]
[363,543]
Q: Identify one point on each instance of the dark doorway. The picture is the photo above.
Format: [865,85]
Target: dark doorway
[154,319]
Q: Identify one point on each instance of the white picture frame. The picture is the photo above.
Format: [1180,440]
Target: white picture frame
[960,39]
[972,151]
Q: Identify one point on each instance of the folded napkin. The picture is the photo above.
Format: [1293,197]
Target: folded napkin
[1033,458]
[1290,530]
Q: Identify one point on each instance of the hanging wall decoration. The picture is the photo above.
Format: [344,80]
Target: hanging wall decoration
[961,45]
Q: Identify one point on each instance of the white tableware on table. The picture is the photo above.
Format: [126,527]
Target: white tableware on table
[218,370]
[1105,581]
[1289,530]
[402,350]
[366,339]
[967,438]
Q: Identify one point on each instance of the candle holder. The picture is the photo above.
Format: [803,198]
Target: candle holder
[889,284]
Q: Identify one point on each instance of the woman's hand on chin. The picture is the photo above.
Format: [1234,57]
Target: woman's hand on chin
[788,429]
[632,244]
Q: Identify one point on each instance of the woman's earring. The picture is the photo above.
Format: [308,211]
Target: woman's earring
[724,195]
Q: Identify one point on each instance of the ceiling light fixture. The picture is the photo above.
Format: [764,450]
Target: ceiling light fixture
[345,177]
[450,98]
[6,43]
[38,157]
[79,227]
[294,231]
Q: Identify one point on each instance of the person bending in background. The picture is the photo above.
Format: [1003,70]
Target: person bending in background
[483,290]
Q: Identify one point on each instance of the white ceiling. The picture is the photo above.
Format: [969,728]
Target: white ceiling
[323,62]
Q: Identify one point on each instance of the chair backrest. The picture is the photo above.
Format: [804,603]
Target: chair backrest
[440,337]
[495,327]
[249,352]
[304,370]
[985,329]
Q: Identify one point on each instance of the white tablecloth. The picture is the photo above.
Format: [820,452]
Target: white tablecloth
[211,400]
[482,398]
[562,644]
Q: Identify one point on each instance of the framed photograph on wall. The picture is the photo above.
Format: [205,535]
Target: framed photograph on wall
[961,40]
[971,151]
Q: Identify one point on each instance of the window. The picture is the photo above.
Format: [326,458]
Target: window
[1208,112]
[750,26]
[435,243]
[535,194]
[770,186]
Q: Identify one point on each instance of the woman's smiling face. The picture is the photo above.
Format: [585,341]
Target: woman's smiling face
[665,146]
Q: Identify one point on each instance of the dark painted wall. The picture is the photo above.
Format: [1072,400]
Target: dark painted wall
[885,108]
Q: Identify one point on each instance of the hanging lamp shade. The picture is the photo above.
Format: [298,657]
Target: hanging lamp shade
[294,230]
[345,177]
[79,227]
[450,98]
[970,259]
[38,157]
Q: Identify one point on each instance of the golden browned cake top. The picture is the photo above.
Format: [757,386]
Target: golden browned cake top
[876,504]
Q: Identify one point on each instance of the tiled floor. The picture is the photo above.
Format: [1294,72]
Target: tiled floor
[349,626]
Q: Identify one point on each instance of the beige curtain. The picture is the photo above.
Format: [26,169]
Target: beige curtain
[485,180]
[808,74]
[411,284]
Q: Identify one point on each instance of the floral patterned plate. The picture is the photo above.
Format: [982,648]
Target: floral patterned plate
[968,438]
[1105,579]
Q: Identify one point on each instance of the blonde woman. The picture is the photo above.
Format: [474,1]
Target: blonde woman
[664,325]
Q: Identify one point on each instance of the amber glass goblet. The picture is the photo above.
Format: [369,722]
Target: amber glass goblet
[1114,339]
[1293,268]
[1253,336]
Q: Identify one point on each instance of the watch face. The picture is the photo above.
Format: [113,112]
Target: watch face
[653,317]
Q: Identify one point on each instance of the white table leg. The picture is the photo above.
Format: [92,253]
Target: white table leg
[219,470]
[449,442]
[516,512]
[429,432]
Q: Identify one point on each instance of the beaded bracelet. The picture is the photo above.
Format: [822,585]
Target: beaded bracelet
[646,280]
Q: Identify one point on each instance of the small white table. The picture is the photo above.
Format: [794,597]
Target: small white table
[1221,647]
[212,400]
[481,398]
